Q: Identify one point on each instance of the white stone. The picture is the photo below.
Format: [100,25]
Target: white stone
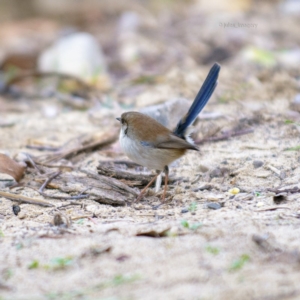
[77,54]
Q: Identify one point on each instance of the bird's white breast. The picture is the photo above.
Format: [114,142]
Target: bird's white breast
[146,156]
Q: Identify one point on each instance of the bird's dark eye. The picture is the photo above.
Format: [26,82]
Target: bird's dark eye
[125,127]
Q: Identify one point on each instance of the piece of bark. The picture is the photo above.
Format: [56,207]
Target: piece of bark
[128,177]
[131,178]
[12,168]
[99,188]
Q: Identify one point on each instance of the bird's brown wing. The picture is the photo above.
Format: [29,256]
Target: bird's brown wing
[174,142]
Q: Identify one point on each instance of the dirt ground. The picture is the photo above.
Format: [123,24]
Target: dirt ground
[208,241]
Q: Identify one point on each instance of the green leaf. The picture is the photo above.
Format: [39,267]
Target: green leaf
[60,262]
[34,264]
[193,207]
[122,279]
[212,250]
[291,122]
[195,226]
[185,224]
[296,148]
[239,263]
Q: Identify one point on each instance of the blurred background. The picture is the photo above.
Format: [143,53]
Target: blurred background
[68,68]
[121,46]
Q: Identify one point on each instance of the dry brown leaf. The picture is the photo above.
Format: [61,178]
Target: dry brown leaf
[10,167]
[154,233]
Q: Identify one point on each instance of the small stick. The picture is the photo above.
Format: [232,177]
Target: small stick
[272,208]
[33,163]
[56,166]
[42,148]
[292,190]
[125,162]
[77,197]
[68,204]
[275,170]
[25,199]
[82,217]
[48,180]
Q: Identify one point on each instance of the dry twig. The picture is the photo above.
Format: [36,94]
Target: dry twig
[104,139]
[25,199]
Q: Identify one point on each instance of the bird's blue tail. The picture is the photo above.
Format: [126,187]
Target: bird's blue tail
[200,101]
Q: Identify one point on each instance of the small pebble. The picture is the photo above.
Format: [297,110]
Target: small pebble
[60,219]
[279,199]
[21,215]
[214,205]
[282,175]
[16,209]
[216,173]
[257,164]
[234,191]
[184,211]
[219,172]
[203,168]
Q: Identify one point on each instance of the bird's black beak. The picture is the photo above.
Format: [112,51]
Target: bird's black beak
[119,119]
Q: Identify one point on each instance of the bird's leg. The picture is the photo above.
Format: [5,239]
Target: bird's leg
[141,195]
[166,171]
[158,181]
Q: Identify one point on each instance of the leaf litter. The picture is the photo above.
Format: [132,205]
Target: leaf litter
[91,234]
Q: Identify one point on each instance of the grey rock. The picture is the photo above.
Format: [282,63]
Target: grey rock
[219,172]
[214,205]
[257,164]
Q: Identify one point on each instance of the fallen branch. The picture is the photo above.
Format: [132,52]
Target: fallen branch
[112,182]
[128,177]
[100,188]
[106,138]
[292,190]
[25,199]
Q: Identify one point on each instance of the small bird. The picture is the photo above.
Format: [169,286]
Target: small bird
[152,145]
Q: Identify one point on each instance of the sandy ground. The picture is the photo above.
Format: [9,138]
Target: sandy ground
[202,254]
[206,242]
